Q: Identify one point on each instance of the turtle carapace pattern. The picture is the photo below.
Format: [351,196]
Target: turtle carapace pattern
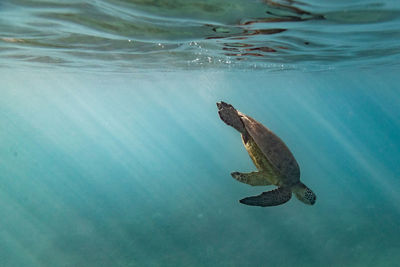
[275,163]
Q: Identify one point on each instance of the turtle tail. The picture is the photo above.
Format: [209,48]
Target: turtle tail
[230,116]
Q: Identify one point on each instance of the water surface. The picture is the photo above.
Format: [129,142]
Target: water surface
[126,36]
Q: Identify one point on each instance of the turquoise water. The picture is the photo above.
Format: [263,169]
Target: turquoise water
[111,156]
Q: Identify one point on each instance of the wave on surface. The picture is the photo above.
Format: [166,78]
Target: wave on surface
[121,35]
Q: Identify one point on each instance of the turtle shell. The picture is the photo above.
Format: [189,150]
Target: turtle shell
[274,149]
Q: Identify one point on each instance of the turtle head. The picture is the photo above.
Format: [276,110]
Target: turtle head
[304,194]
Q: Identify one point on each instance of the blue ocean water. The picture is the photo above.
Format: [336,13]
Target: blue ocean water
[116,156]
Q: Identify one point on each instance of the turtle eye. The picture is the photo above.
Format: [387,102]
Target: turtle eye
[310,196]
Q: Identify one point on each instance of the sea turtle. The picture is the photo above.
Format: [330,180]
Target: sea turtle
[275,163]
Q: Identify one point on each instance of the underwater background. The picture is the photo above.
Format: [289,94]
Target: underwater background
[112,152]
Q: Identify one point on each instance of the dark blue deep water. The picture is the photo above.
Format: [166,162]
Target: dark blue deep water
[112,152]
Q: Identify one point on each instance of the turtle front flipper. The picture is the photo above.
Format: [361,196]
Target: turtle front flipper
[252,178]
[230,116]
[272,198]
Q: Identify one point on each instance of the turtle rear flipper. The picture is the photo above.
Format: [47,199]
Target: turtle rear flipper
[271,198]
[252,178]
